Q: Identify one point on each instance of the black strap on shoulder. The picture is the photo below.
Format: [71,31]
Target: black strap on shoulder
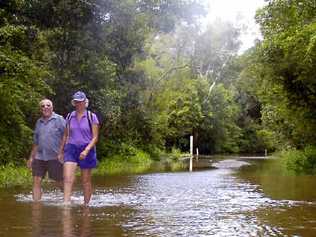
[89,116]
[68,118]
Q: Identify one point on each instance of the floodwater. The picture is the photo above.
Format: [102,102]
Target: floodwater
[253,200]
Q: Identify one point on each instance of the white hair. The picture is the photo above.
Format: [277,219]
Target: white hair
[45,100]
[87,103]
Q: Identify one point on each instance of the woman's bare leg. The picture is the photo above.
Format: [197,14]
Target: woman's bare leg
[69,179]
[86,184]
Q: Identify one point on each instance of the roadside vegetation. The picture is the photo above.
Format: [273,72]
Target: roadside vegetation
[12,175]
[129,161]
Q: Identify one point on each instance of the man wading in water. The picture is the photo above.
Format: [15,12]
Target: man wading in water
[48,134]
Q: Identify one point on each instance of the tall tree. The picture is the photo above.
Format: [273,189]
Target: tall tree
[288,54]
[22,79]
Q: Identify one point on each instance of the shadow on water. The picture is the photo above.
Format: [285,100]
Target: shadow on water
[234,199]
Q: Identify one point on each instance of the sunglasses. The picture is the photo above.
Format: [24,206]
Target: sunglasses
[46,105]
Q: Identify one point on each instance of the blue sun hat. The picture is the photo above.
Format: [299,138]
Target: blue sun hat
[79,96]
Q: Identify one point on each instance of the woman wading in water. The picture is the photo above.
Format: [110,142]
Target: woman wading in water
[80,138]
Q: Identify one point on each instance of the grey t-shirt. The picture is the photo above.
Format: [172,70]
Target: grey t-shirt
[48,136]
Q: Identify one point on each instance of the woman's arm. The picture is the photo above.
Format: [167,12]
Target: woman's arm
[93,142]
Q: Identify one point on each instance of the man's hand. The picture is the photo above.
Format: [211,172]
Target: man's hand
[32,156]
[29,163]
[60,157]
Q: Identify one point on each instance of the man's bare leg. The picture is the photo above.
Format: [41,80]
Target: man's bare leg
[37,190]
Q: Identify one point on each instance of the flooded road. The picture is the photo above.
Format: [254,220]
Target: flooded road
[226,201]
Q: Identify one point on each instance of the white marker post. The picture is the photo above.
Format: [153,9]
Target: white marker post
[197,153]
[191,152]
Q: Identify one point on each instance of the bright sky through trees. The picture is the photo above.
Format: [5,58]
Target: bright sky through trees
[241,13]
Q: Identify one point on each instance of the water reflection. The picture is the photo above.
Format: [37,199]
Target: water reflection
[64,222]
[276,185]
[68,228]
[36,219]
[73,227]
[295,217]
[298,220]
[45,220]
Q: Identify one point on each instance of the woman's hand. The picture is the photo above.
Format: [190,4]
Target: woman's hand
[83,154]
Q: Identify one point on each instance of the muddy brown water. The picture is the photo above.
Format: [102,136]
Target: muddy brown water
[250,198]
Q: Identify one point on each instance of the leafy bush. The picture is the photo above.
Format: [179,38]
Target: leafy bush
[128,159]
[11,175]
[300,161]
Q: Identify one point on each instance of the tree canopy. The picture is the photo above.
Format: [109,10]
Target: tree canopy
[156,77]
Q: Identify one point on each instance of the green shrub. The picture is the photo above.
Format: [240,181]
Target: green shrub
[170,161]
[300,161]
[11,175]
[129,159]
[154,151]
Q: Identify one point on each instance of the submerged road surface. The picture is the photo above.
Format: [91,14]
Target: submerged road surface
[214,202]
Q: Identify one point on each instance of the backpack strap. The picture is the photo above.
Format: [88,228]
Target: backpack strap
[68,118]
[89,116]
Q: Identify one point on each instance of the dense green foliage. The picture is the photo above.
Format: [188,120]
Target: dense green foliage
[156,78]
[279,73]
[287,56]
[21,83]
[300,161]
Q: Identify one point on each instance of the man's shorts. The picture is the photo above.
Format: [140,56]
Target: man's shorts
[72,153]
[53,167]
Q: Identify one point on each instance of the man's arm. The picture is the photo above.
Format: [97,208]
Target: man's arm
[34,147]
[62,144]
[32,156]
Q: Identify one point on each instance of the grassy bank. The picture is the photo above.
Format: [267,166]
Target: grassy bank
[11,175]
[119,164]
[292,162]
[137,161]
[129,161]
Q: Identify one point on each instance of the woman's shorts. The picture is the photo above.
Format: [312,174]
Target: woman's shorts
[72,153]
